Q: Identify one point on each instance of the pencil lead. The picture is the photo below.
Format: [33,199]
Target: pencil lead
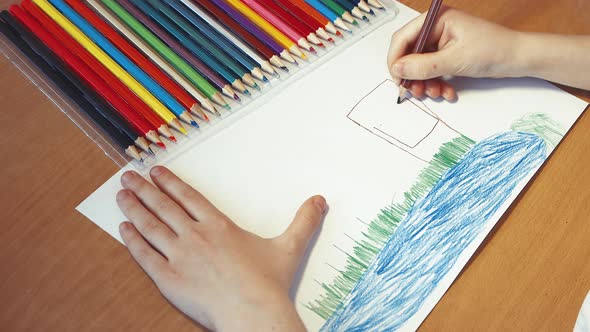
[285,69]
[256,86]
[355,22]
[338,33]
[247,92]
[322,45]
[236,97]
[399,100]
[226,106]
[311,49]
[372,12]
[264,79]
[331,40]
[194,124]
[162,145]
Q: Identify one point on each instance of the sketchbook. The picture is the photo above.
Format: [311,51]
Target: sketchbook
[413,189]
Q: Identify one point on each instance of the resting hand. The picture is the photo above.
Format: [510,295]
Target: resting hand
[215,272]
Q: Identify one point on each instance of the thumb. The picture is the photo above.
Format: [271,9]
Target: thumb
[306,221]
[424,66]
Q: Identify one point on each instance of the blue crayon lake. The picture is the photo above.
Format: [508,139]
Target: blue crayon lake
[437,229]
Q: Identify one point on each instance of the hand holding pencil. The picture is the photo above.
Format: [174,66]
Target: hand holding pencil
[458,45]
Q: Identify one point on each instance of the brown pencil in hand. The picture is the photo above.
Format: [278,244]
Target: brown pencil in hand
[420,43]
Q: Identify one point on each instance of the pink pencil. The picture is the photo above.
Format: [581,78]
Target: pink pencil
[279,24]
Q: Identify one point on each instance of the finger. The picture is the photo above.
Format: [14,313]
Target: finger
[154,231]
[162,206]
[426,66]
[306,221]
[433,88]
[148,258]
[192,201]
[448,92]
[417,89]
[403,39]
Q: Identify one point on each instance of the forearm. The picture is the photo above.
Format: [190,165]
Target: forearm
[556,58]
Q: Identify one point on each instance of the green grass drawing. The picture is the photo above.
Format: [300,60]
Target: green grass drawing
[381,228]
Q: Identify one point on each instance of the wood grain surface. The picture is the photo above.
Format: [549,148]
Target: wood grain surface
[59,272]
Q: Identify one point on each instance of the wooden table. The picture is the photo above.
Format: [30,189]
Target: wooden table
[59,272]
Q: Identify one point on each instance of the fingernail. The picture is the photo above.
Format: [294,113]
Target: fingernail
[449,97]
[121,195]
[320,203]
[128,177]
[157,170]
[398,69]
[123,226]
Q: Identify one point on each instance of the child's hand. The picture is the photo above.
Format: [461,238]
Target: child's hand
[213,271]
[460,45]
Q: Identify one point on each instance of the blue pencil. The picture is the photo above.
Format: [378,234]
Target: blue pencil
[219,54]
[351,6]
[159,92]
[186,42]
[320,7]
[217,38]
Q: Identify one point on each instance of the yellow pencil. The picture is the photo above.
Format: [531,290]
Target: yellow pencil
[269,28]
[111,65]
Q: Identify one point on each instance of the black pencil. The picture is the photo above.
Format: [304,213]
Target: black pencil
[62,77]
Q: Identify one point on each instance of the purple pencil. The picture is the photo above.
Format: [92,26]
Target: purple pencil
[252,28]
[199,66]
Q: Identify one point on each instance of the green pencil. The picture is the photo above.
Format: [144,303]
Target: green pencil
[176,61]
[336,8]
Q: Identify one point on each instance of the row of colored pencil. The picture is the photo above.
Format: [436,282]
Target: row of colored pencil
[138,68]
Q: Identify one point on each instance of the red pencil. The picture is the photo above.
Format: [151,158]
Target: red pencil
[138,123]
[129,102]
[305,18]
[321,18]
[141,60]
[291,20]
[243,34]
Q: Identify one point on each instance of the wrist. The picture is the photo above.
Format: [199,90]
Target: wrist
[260,312]
[518,57]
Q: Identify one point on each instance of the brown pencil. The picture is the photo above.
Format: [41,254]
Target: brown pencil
[420,43]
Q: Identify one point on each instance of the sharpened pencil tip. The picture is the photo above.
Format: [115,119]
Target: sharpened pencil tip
[246,92]
[264,79]
[226,106]
[399,100]
[311,49]
[194,124]
[355,22]
[285,69]
[173,139]
[236,97]
[256,87]
[161,145]
[338,33]
[331,40]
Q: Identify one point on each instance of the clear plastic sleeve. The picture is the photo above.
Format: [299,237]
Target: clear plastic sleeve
[216,123]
